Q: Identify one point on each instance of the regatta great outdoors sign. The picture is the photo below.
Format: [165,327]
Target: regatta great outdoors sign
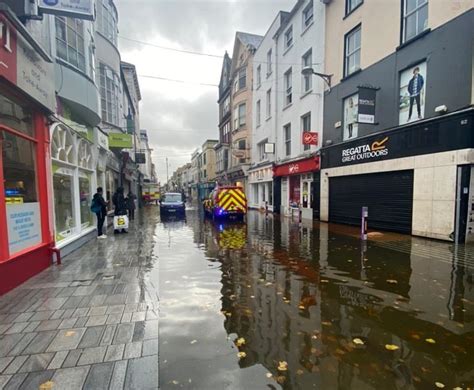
[365,152]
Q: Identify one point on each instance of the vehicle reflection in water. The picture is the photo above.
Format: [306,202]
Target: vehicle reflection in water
[299,296]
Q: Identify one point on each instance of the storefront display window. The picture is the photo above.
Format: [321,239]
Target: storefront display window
[21,193]
[15,116]
[295,191]
[85,198]
[64,203]
[62,145]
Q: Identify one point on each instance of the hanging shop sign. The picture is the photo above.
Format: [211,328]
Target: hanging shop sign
[366,105]
[310,138]
[22,65]
[297,167]
[79,9]
[434,136]
[102,140]
[120,140]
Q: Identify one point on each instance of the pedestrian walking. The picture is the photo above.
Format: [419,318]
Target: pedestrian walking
[99,207]
[131,205]
[120,210]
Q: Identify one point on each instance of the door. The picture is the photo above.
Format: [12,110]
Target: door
[388,195]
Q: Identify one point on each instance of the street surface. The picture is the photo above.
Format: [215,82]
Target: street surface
[265,305]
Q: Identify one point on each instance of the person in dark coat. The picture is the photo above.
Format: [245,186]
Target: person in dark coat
[131,205]
[120,206]
[99,206]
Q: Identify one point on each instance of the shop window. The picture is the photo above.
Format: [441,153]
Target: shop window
[62,145]
[85,155]
[21,193]
[351,108]
[85,198]
[15,116]
[295,191]
[270,194]
[63,187]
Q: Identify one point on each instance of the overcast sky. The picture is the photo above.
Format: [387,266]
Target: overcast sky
[180,117]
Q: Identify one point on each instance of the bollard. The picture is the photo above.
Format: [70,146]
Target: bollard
[363,226]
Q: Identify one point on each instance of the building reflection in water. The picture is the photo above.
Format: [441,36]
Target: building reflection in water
[301,295]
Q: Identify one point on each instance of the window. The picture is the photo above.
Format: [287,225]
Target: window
[351,110]
[269,62]
[258,110]
[226,159]
[287,138]
[239,116]
[107,20]
[352,52]
[226,107]
[261,150]
[241,144]
[204,158]
[242,78]
[259,76]
[289,38]
[14,115]
[70,41]
[415,18]
[351,5]
[308,15]
[226,133]
[109,83]
[288,87]
[269,103]
[306,126]
[85,198]
[307,61]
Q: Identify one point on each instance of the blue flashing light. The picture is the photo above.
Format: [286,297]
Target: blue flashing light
[221,228]
[11,192]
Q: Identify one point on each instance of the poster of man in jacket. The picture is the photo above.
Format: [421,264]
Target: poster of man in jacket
[412,93]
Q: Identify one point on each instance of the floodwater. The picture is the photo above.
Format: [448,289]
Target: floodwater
[275,304]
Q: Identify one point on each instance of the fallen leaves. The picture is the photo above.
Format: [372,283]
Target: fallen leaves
[282,366]
[391,347]
[241,355]
[46,385]
[358,341]
[440,385]
[269,375]
[430,341]
[392,281]
[240,342]
[70,333]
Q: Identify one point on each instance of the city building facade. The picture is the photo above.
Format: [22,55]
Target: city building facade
[398,117]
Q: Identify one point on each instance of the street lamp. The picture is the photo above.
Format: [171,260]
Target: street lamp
[308,71]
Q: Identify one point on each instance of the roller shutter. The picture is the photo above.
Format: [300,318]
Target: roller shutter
[388,195]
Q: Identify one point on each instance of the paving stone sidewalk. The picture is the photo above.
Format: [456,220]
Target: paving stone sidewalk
[91,323]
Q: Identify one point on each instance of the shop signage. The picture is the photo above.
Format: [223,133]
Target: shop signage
[310,138]
[377,148]
[80,9]
[24,228]
[24,67]
[297,167]
[120,140]
[366,104]
[102,140]
[438,135]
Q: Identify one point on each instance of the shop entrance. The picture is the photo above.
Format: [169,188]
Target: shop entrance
[388,195]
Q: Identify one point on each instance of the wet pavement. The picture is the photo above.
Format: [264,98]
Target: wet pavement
[265,305]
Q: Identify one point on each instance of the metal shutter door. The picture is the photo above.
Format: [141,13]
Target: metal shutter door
[388,195]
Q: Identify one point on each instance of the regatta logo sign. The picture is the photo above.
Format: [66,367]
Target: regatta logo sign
[366,152]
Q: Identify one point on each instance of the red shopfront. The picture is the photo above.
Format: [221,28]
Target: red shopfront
[297,186]
[26,100]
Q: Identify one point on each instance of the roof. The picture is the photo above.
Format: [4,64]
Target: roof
[133,69]
[249,39]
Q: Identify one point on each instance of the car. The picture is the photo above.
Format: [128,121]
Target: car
[226,202]
[172,203]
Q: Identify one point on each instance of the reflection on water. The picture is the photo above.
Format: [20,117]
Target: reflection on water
[313,307]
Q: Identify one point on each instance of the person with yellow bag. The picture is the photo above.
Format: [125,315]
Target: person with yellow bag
[120,212]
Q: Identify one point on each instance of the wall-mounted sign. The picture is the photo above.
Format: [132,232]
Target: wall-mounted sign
[102,140]
[24,227]
[350,117]
[80,9]
[310,138]
[24,67]
[367,151]
[412,93]
[269,148]
[298,167]
[120,140]
[366,105]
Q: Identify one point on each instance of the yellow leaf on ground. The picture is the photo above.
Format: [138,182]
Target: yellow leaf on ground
[392,281]
[46,385]
[301,307]
[358,341]
[440,385]
[430,341]
[299,372]
[269,375]
[70,333]
[391,347]
[240,342]
[241,354]
[282,366]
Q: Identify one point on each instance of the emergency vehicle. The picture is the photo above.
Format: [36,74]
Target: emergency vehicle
[226,202]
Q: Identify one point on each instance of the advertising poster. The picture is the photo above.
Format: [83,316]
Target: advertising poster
[24,228]
[366,101]
[351,110]
[412,93]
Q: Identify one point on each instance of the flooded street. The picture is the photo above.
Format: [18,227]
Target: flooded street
[275,304]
